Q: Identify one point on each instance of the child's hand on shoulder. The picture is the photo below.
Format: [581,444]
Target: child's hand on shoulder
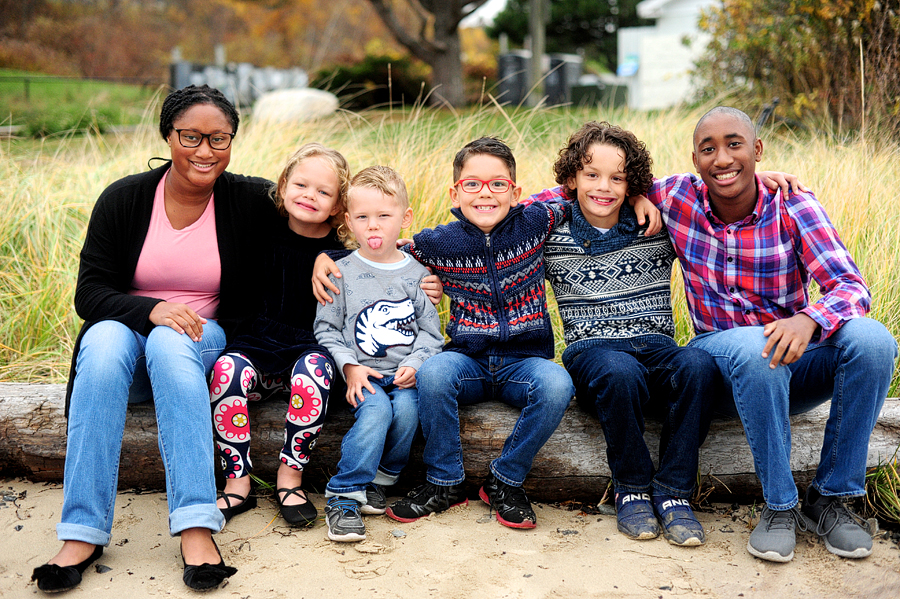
[357,377]
[405,377]
[432,287]
[323,267]
[647,214]
[786,181]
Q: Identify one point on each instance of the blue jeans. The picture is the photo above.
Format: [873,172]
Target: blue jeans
[376,448]
[115,364]
[624,382]
[853,368]
[539,387]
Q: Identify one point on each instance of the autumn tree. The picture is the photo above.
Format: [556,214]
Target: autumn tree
[836,60]
[429,29]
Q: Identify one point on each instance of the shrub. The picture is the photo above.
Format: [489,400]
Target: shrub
[808,52]
[379,80]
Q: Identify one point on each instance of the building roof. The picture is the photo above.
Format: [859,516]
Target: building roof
[651,9]
[656,9]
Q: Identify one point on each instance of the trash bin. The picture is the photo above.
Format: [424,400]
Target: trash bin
[565,69]
[512,69]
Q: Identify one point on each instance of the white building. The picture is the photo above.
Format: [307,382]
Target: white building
[654,62]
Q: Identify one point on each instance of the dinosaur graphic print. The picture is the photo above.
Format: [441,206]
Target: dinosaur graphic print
[385,324]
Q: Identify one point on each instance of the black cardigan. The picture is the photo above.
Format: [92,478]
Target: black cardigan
[245,217]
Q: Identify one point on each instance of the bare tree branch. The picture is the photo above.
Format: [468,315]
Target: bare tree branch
[422,48]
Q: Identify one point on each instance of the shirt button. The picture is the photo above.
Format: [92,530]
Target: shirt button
[747,311]
[587,243]
[731,289]
[730,259]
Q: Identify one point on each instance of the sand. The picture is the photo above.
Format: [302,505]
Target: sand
[461,553]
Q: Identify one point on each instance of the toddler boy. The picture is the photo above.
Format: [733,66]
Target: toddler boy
[380,330]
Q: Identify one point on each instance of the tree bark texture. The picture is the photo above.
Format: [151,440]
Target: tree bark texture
[572,465]
[436,41]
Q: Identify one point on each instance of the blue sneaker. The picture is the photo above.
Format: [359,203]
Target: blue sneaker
[680,526]
[345,523]
[635,517]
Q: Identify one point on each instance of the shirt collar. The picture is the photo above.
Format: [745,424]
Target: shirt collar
[461,217]
[593,241]
[763,196]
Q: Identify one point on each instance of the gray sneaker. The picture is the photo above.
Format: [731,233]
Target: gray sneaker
[344,520]
[842,530]
[775,536]
[376,501]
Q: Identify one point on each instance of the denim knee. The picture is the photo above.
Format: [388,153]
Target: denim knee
[441,371]
[405,407]
[107,343]
[869,341]
[553,385]
[608,377]
[376,407]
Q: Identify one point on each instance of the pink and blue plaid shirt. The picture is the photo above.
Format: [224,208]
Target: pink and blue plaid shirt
[757,270]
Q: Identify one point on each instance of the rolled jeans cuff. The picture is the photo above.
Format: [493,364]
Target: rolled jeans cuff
[359,496]
[196,516]
[85,534]
[384,479]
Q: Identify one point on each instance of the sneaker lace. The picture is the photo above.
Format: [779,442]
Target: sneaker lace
[513,496]
[343,504]
[842,515]
[423,491]
[784,519]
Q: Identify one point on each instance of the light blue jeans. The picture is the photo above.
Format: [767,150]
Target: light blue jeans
[540,388]
[376,448]
[852,368]
[117,366]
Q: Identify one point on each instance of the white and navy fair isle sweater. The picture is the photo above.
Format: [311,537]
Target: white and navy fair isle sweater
[609,286]
[495,281]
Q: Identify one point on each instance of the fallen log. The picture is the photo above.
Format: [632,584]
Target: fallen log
[572,465]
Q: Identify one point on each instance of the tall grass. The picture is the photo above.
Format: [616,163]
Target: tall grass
[47,194]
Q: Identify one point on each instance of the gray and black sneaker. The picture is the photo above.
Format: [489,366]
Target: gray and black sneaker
[775,535]
[345,523]
[376,502]
[425,500]
[843,531]
[511,504]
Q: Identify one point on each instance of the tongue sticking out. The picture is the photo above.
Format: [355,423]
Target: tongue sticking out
[374,242]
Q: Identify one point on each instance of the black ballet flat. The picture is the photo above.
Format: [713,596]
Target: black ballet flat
[302,514]
[52,578]
[206,576]
[247,503]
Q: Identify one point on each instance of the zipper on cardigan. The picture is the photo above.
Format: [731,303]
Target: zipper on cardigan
[502,317]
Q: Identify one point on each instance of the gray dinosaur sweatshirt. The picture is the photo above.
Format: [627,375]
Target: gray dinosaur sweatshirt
[381,318]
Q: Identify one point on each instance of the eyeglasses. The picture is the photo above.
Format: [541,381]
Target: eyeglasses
[191,139]
[476,185]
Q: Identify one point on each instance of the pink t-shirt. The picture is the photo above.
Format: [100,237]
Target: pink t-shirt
[180,265]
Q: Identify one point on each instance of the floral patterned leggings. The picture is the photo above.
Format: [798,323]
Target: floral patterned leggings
[235,381]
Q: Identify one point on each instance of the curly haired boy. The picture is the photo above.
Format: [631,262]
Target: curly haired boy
[612,285]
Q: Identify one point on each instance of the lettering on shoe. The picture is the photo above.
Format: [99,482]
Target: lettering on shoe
[634,497]
[675,502]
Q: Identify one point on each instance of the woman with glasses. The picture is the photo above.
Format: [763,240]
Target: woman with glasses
[160,285]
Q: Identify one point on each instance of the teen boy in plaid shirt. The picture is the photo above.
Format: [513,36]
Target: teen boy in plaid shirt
[747,254]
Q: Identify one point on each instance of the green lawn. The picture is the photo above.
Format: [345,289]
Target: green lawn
[44,105]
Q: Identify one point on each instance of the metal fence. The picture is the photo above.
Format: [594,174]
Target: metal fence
[241,83]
